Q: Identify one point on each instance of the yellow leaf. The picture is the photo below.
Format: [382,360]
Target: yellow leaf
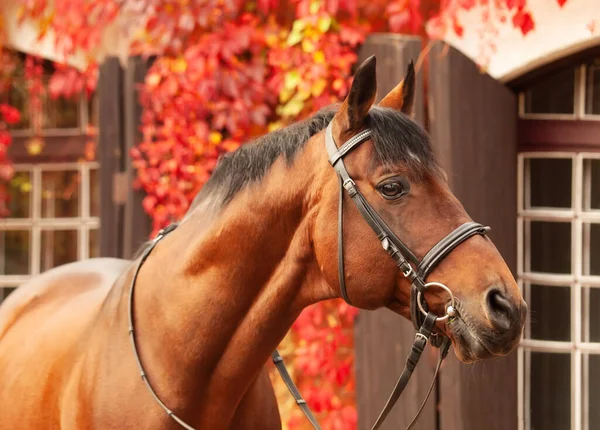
[314,7]
[331,321]
[297,32]
[285,95]
[319,57]
[179,65]
[324,24]
[153,79]
[291,80]
[291,108]
[308,46]
[274,126]
[34,146]
[271,40]
[302,95]
[215,137]
[318,87]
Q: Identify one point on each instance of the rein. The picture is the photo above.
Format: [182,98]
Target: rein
[423,320]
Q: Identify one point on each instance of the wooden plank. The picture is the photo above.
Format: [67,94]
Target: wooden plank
[110,154]
[473,123]
[56,149]
[558,135]
[137,224]
[382,338]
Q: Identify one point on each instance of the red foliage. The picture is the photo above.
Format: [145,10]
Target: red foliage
[229,70]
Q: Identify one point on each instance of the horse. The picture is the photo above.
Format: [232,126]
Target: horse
[258,245]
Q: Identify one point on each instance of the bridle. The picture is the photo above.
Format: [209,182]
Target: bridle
[423,320]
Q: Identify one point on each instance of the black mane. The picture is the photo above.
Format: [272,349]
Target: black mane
[396,137]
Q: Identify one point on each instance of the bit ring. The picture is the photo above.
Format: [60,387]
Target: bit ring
[450,309]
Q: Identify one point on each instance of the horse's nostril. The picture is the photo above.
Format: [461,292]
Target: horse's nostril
[500,309]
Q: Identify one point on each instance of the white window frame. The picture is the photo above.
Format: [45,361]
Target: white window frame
[578,102]
[576,347]
[83,223]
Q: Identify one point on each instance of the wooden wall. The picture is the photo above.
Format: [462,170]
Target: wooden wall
[383,339]
[473,123]
[124,226]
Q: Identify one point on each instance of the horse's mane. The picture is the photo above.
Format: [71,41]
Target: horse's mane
[396,137]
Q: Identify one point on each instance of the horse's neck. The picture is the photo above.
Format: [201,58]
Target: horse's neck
[212,307]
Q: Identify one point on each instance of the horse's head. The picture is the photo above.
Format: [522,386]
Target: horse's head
[395,170]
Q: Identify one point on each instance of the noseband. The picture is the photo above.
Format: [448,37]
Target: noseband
[423,320]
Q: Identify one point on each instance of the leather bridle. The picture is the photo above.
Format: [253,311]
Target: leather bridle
[423,320]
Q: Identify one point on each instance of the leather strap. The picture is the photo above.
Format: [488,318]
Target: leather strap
[447,244]
[411,362]
[278,361]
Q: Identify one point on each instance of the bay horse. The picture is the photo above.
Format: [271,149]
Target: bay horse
[259,244]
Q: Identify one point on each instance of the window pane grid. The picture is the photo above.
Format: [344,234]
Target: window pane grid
[52,240]
[583,91]
[543,248]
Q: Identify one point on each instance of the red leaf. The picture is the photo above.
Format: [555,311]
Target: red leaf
[523,21]
[561,2]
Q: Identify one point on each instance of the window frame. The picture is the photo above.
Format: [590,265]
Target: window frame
[578,283]
[83,224]
[578,103]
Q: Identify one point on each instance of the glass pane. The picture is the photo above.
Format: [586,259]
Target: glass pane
[550,247]
[14,252]
[591,380]
[592,90]
[550,182]
[60,194]
[61,113]
[552,94]
[591,198]
[550,312]
[590,301]
[18,99]
[58,247]
[19,192]
[94,192]
[550,391]
[591,244]
[94,245]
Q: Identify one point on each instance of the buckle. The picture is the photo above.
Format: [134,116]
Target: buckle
[350,186]
[421,335]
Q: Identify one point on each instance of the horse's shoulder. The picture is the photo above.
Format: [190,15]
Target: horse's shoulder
[60,284]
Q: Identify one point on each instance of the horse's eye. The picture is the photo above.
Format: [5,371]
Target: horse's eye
[392,190]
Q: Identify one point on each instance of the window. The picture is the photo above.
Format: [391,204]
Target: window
[559,272]
[54,220]
[592,90]
[570,93]
[554,94]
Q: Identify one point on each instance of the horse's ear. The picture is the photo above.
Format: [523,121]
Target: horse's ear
[363,91]
[403,96]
